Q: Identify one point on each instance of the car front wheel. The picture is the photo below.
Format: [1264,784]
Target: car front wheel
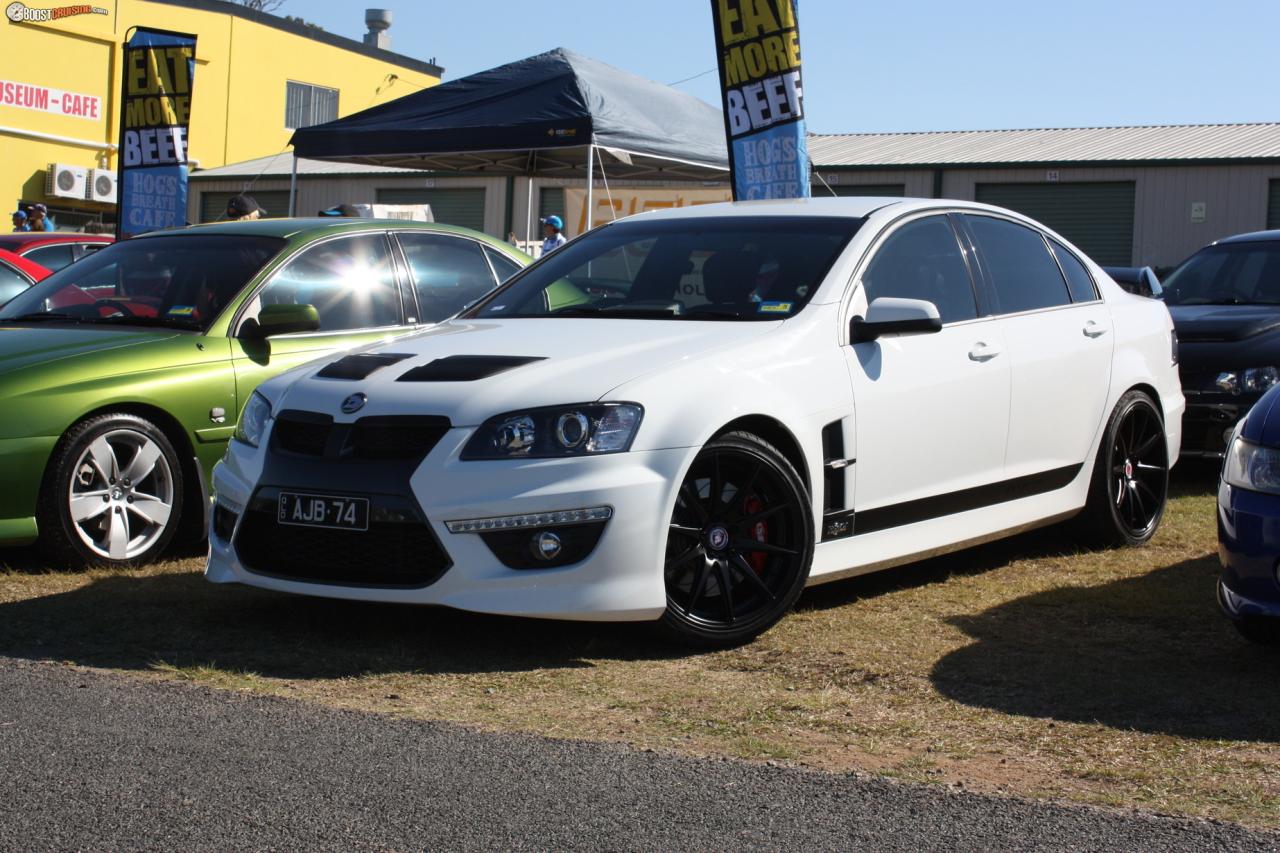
[739,544]
[112,495]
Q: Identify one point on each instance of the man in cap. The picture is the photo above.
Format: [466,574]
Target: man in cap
[20,221]
[552,233]
[243,207]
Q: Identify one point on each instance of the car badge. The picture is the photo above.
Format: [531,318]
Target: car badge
[354,403]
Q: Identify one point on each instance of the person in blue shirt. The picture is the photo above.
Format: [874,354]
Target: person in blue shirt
[20,221]
[552,236]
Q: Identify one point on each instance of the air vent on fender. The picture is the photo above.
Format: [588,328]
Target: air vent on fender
[465,368]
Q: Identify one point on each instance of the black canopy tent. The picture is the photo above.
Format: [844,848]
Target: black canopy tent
[557,114]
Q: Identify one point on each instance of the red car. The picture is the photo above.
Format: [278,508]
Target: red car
[17,274]
[53,250]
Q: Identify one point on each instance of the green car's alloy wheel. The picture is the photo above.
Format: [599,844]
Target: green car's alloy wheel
[740,543]
[112,494]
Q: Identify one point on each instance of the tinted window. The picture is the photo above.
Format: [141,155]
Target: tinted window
[51,257]
[922,260]
[449,273]
[184,281]
[351,281]
[502,265]
[1022,271]
[1079,282]
[11,284]
[725,268]
[1228,274]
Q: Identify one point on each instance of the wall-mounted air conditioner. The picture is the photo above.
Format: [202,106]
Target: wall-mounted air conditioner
[63,181]
[101,186]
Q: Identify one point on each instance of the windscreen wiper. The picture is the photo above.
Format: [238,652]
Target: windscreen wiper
[166,322]
[42,315]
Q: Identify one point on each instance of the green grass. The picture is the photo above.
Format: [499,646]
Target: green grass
[1028,666]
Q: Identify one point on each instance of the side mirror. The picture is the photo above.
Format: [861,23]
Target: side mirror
[284,319]
[892,316]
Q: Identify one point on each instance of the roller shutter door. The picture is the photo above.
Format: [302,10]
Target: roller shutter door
[551,200]
[1097,217]
[895,190]
[1273,205]
[214,204]
[452,205]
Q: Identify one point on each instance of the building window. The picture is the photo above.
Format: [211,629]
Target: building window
[305,105]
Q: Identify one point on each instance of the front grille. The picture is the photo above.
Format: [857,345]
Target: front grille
[398,549]
[303,432]
[386,437]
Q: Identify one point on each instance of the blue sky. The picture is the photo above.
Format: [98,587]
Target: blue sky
[897,66]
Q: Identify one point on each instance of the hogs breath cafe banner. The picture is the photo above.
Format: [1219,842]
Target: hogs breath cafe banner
[158,71]
[758,45]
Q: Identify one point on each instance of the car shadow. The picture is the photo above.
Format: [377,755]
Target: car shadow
[135,622]
[1149,653]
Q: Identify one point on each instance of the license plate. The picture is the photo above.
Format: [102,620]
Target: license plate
[332,511]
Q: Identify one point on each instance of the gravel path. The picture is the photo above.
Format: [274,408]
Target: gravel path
[97,761]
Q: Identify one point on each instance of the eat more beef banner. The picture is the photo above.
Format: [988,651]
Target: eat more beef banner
[758,47]
[158,71]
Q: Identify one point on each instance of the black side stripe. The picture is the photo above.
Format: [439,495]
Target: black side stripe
[896,515]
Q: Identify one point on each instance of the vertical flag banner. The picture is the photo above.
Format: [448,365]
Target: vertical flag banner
[758,48]
[154,119]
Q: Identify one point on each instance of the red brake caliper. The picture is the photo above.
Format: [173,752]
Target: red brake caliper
[759,532]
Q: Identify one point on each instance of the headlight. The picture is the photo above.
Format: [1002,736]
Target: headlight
[253,420]
[1252,466]
[586,430]
[1255,380]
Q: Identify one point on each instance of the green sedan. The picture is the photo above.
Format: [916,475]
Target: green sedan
[122,375]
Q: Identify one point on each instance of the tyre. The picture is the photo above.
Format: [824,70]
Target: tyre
[112,494]
[739,545]
[1130,476]
[1262,630]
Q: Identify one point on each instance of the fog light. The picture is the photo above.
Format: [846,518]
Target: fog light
[545,545]
[224,522]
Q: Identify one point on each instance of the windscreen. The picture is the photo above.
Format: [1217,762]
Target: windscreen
[724,268]
[1227,274]
[181,282]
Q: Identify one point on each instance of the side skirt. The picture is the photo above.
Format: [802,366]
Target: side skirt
[939,551]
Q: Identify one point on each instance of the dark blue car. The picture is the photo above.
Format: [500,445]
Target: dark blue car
[1249,523]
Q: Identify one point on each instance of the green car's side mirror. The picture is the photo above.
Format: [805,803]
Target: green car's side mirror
[283,319]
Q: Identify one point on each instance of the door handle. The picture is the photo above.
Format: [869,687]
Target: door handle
[983,351]
[1093,329]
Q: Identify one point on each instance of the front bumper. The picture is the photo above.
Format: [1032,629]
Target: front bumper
[1249,550]
[621,579]
[1206,426]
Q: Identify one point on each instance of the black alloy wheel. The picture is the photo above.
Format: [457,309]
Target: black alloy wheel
[739,545]
[1131,477]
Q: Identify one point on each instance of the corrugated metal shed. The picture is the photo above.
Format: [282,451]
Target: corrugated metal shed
[1199,143]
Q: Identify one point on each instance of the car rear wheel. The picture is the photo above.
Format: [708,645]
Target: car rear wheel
[112,495]
[1130,477]
[739,545]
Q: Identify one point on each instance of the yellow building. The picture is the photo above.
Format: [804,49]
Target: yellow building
[257,78]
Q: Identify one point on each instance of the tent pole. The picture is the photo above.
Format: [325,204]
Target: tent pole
[528,214]
[293,186]
[591,153]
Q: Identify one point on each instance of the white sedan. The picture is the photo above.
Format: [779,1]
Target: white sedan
[688,416]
